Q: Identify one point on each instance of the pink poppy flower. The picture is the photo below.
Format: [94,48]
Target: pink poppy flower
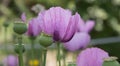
[59,23]
[91,57]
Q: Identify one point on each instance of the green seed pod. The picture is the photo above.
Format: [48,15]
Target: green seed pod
[111,61]
[71,64]
[17,47]
[45,40]
[20,28]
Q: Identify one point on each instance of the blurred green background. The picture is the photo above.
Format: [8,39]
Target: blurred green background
[106,14]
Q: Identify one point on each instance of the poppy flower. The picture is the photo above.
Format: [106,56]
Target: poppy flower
[91,57]
[59,23]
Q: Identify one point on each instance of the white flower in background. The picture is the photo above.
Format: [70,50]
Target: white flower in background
[116,2]
[97,12]
[99,25]
[38,8]
[71,5]
[115,24]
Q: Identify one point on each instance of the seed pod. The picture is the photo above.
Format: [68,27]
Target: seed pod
[45,40]
[20,28]
[111,61]
[17,47]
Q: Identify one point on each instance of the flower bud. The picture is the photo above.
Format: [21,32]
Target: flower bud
[17,47]
[20,28]
[111,61]
[45,40]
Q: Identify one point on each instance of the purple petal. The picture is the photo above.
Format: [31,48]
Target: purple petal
[58,22]
[56,19]
[33,27]
[11,60]
[36,27]
[71,28]
[79,40]
[81,24]
[62,21]
[85,26]
[47,21]
[41,20]
[91,57]
[56,36]
[89,25]
[23,17]
[29,31]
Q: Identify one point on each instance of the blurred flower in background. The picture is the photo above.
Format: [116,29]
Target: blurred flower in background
[11,60]
[23,17]
[116,2]
[91,57]
[33,62]
[38,8]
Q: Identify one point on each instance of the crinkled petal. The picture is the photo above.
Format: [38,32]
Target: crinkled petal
[91,57]
[46,20]
[40,19]
[81,24]
[33,27]
[36,27]
[85,26]
[62,21]
[30,29]
[79,40]
[71,28]
[89,25]
[56,21]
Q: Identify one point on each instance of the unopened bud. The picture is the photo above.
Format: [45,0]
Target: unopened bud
[45,40]
[17,47]
[20,28]
[111,61]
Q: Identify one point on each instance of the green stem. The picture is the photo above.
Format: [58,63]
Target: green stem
[45,54]
[41,57]
[58,55]
[6,40]
[64,59]
[20,51]
[33,49]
